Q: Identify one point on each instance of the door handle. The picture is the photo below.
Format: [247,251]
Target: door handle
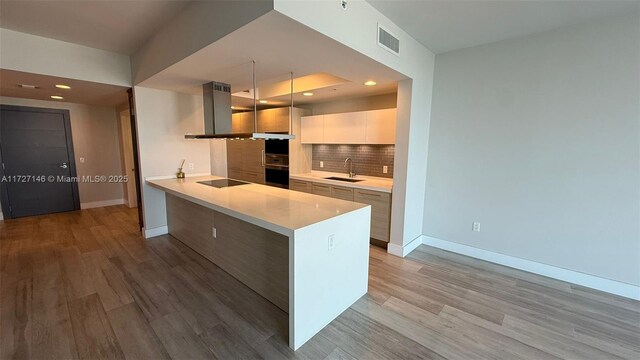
[64,165]
[262,158]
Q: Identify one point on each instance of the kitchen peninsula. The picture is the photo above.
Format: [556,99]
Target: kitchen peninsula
[297,250]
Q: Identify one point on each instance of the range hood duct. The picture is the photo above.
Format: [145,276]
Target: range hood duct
[217,114]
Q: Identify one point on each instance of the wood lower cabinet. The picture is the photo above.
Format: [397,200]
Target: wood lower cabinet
[321,189]
[343,193]
[299,185]
[380,202]
[380,211]
[257,257]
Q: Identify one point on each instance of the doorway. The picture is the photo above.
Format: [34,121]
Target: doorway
[127,153]
[38,172]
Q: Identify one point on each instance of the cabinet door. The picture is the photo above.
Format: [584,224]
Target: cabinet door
[253,156]
[343,193]
[242,122]
[273,120]
[265,120]
[321,189]
[346,128]
[234,155]
[299,185]
[281,120]
[381,126]
[312,129]
[380,211]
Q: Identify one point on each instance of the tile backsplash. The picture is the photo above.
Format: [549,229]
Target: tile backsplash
[368,160]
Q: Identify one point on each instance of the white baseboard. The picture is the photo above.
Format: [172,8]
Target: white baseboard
[95,204]
[157,231]
[403,251]
[575,277]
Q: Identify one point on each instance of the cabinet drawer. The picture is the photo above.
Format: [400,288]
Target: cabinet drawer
[253,177]
[320,189]
[299,185]
[343,193]
[380,211]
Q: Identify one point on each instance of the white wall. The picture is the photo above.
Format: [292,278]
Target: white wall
[163,118]
[95,134]
[39,55]
[538,138]
[356,27]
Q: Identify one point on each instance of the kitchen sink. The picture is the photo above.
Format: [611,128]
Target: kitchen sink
[342,179]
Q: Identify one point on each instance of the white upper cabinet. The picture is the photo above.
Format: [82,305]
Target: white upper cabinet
[345,128]
[363,127]
[381,127]
[312,129]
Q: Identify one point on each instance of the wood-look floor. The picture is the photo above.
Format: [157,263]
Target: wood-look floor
[86,285]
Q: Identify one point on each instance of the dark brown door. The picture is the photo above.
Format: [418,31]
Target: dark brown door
[38,167]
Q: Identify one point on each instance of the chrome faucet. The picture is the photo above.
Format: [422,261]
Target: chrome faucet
[351,172]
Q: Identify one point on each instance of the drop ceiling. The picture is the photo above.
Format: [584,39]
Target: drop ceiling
[279,45]
[81,92]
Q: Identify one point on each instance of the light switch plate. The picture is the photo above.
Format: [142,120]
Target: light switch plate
[321,164]
[385,169]
[476,227]
[191,166]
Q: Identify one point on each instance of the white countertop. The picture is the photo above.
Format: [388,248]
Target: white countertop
[279,210]
[367,183]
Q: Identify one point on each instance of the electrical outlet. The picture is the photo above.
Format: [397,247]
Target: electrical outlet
[476,227]
[321,164]
[191,166]
[331,242]
[385,169]
[214,232]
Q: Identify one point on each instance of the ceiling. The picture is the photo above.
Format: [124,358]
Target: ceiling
[447,25]
[279,45]
[118,26]
[81,92]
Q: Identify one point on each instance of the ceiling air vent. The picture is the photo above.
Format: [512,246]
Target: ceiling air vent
[388,41]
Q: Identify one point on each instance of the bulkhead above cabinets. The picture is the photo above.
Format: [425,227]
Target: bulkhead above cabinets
[362,127]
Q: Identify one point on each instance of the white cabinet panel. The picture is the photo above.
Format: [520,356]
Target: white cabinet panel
[381,126]
[312,129]
[345,128]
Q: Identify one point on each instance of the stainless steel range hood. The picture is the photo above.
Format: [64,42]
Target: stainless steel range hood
[217,114]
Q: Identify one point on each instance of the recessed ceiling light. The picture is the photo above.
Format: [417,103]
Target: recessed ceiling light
[307,94]
[62,86]
[370,83]
[263,101]
[57,97]
[26,86]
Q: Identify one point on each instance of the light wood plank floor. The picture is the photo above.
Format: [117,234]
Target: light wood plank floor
[86,285]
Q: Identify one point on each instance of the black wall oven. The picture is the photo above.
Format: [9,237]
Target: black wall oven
[276,163]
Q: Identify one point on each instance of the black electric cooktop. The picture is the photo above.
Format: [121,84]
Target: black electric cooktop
[221,183]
